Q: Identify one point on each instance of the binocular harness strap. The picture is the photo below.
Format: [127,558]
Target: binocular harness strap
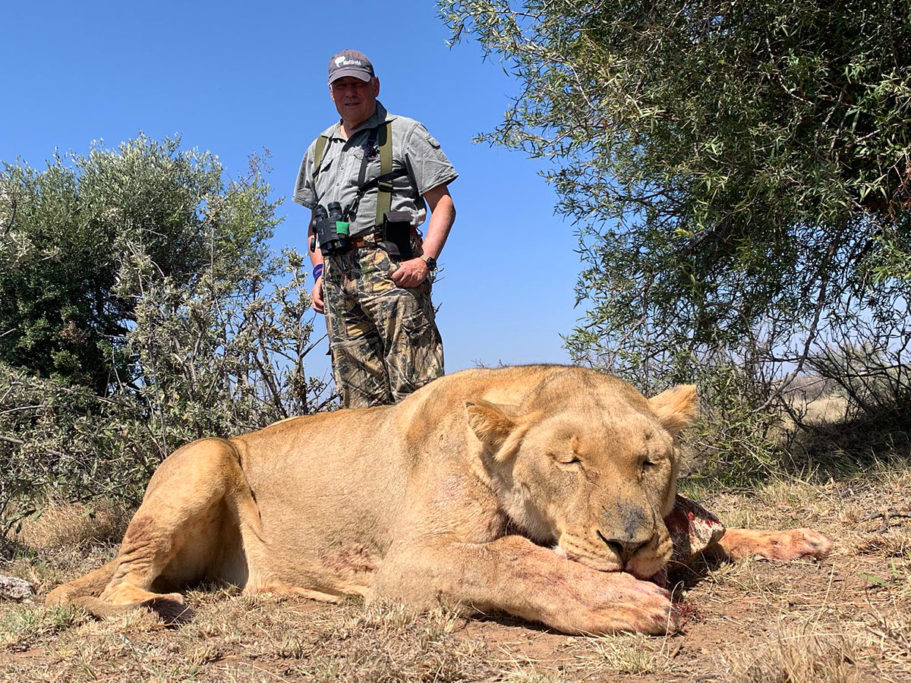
[384,187]
[318,155]
[381,135]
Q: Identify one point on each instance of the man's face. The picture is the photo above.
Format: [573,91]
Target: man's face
[354,99]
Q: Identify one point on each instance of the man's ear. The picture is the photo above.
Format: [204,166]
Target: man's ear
[490,424]
[676,408]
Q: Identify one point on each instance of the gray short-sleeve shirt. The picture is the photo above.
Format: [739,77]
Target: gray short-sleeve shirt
[413,149]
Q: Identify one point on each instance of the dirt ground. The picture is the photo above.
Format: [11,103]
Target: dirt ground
[846,618]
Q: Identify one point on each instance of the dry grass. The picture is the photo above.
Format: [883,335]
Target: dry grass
[801,654]
[74,525]
[848,618]
[238,637]
[825,410]
[637,654]
[19,629]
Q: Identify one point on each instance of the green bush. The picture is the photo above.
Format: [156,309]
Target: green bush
[169,320]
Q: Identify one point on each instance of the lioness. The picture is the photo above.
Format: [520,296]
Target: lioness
[538,491]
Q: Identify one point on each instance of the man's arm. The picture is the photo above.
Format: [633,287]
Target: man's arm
[413,272]
[316,259]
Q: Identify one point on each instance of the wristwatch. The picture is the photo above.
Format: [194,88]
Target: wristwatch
[430,261]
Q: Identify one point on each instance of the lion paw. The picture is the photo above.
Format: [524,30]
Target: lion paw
[807,544]
[625,603]
[648,609]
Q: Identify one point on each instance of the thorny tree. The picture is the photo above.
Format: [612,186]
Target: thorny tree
[740,171]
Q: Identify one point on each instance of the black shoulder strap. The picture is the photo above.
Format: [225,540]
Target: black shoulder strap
[382,135]
[365,159]
[381,138]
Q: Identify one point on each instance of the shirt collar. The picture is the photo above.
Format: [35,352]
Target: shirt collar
[379,116]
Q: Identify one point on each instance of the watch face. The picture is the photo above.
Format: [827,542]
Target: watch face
[431,262]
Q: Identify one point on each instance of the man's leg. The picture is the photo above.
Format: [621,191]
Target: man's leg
[414,354]
[405,322]
[357,351]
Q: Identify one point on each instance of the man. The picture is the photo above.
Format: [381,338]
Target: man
[373,284]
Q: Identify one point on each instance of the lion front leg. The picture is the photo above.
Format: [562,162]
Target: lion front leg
[515,576]
[695,531]
[794,544]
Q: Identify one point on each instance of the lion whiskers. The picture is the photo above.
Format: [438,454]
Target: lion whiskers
[589,554]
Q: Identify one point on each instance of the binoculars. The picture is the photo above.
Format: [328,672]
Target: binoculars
[331,228]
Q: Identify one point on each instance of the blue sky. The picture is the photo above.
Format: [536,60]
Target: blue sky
[235,78]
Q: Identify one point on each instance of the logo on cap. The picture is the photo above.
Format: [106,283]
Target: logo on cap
[350,63]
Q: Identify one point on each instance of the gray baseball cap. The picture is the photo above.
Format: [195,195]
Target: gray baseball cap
[350,63]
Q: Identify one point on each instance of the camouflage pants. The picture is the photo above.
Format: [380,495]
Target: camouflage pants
[383,338]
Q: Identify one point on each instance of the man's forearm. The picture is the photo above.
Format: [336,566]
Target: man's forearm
[441,219]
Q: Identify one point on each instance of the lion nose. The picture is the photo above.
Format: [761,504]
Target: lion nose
[625,548]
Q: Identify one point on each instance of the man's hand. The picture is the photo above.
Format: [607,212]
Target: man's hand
[410,273]
[316,296]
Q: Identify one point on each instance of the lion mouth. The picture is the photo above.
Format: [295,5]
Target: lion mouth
[608,555]
[590,554]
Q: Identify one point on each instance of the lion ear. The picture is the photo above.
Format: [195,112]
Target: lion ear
[676,408]
[489,423]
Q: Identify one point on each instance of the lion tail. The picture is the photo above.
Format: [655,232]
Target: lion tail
[89,586]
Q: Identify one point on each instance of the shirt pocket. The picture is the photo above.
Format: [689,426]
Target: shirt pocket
[369,160]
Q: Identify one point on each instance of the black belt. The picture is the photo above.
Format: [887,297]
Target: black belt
[370,237]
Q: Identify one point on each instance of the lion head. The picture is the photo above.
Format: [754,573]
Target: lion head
[588,465]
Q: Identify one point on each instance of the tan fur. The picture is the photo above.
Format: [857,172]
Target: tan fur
[794,544]
[538,491]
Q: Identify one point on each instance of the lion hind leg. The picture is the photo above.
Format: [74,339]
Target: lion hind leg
[794,544]
[85,592]
[90,585]
[282,590]
[171,607]
[180,532]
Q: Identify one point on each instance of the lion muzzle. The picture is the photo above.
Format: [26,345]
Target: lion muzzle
[623,548]
[626,530]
